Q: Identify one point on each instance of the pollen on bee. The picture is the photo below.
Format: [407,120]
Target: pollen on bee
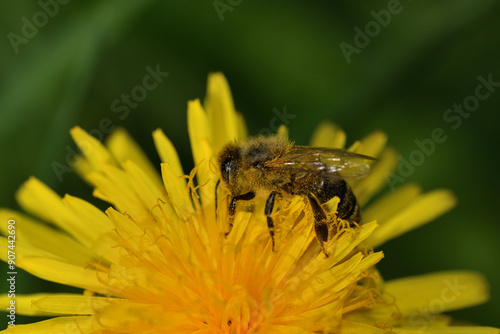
[332,204]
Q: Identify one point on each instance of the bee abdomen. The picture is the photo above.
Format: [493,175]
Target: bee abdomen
[348,207]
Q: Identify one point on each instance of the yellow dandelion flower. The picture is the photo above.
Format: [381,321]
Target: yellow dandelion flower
[157,261]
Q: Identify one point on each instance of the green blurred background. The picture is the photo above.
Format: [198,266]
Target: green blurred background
[276,55]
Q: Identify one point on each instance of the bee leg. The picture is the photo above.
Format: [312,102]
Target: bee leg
[232,208]
[215,197]
[320,222]
[268,211]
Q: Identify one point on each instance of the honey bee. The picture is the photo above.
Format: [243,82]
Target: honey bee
[279,168]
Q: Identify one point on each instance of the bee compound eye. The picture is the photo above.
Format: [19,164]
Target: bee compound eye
[227,169]
[229,162]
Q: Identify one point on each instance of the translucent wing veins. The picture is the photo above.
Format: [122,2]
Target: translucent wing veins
[328,162]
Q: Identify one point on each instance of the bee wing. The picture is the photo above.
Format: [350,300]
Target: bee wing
[328,162]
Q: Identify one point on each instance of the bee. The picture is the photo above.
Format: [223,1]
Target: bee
[279,168]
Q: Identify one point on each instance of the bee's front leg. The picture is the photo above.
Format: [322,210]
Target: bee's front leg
[232,208]
[320,222]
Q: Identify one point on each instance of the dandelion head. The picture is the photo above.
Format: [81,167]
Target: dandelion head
[160,260]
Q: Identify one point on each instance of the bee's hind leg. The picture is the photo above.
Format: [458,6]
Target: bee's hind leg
[320,222]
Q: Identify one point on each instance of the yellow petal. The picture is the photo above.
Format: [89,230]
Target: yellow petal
[46,238]
[61,325]
[345,244]
[338,249]
[124,148]
[198,128]
[35,197]
[350,274]
[125,226]
[90,217]
[422,210]
[415,324]
[365,188]
[62,273]
[327,134]
[72,304]
[284,329]
[372,145]
[176,190]
[424,295]
[199,135]
[289,255]
[352,327]
[220,111]
[145,188]
[282,132]
[45,304]
[424,329]
[143,318]
[201,145]
[23,304]
[22,250]
[137,236]
[113,185]
[95,152]
[107,247]
[167,153]
[82,166]
[339,277]
[449,330]
[392,203]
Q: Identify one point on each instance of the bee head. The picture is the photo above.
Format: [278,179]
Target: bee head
[229,162]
